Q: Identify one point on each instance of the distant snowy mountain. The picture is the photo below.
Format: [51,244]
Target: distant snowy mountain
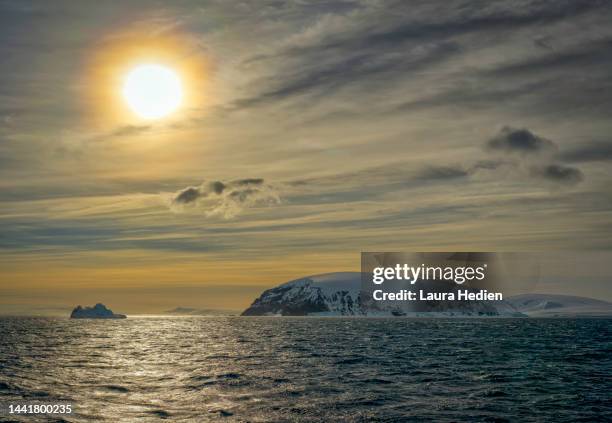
[340,294]
[549,305]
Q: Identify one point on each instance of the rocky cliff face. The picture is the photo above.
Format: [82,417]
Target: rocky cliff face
[317,295]
[340,294]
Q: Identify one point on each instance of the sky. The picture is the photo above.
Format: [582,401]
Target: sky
[310,131]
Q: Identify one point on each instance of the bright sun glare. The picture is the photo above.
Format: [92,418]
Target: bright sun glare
[152,91]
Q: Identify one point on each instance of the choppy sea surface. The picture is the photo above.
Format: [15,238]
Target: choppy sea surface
[310,369]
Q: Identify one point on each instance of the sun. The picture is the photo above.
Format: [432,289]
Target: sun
[152,91]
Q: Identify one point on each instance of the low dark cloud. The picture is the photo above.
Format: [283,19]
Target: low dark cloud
[559,174]
[225,199]
[244,194]
[188,195]
[217,187]
[523,141]
[591,152]
[535,165]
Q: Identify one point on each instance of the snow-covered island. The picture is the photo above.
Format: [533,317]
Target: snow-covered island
[341,294]
[99,311]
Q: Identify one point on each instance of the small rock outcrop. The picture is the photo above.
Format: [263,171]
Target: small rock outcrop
[99,311]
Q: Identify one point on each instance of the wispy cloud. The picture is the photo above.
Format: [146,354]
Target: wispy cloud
[225,199]
[589,152]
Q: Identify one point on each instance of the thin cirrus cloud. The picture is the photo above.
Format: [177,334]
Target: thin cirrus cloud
[368,44]
[590,152]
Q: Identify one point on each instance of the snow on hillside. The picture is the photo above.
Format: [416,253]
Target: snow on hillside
[332,294]
[331,282]
[549,305]
[339,294]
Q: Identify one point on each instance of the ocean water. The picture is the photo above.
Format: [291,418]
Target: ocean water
[310,369]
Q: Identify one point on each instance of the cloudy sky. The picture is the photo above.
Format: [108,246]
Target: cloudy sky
[312,131]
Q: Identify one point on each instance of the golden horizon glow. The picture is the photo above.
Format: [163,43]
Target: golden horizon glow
[152,91]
